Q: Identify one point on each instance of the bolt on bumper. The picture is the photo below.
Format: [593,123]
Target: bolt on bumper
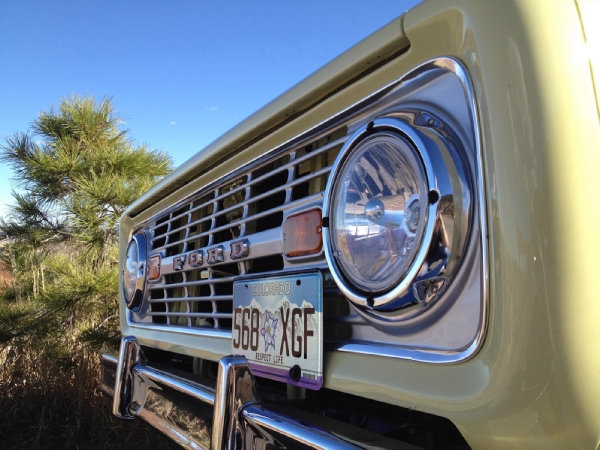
[228,416]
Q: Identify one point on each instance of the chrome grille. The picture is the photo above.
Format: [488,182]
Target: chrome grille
[252,203]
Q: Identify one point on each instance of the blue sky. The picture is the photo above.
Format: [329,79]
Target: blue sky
[180,72]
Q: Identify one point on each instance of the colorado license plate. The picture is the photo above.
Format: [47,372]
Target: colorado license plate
[278,327]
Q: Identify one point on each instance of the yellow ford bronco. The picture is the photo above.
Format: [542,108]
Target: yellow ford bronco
[398,252]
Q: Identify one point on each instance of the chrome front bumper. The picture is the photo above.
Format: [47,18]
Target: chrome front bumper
[229,415]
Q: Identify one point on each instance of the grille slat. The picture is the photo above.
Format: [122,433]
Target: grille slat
[193,315]
[215,298]
[208,282]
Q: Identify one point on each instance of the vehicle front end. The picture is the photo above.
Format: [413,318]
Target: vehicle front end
[392,254]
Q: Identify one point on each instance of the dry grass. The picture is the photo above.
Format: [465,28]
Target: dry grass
[47,403]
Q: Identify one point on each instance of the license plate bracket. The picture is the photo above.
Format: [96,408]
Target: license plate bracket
[278,327]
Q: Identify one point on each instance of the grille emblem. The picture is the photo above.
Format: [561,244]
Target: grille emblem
[214,255]
[178,262]
[240,249]
[196,258]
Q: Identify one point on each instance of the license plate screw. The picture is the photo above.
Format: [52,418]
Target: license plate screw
[295,373]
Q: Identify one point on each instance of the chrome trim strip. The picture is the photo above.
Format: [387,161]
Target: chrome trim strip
[481,204]
[432,357]
[211,333]
[271,423]
[230,416]
[258,242]
[201,393]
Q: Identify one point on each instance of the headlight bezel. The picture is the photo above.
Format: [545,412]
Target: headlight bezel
[134,301]
[446,175]
[395,129]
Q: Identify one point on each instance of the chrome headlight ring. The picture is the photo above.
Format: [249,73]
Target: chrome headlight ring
[134,272]
[400,240]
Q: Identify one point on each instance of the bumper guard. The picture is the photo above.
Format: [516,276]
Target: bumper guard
[228,416]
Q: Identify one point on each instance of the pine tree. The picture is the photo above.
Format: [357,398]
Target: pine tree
[77,169]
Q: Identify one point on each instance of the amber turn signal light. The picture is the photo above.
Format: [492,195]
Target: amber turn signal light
[154,268]
[302,234]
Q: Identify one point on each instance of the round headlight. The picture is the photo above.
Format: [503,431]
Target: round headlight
[380,207]
[377,220]
[134,272]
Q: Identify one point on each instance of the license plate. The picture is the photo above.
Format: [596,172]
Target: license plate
[278,327]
